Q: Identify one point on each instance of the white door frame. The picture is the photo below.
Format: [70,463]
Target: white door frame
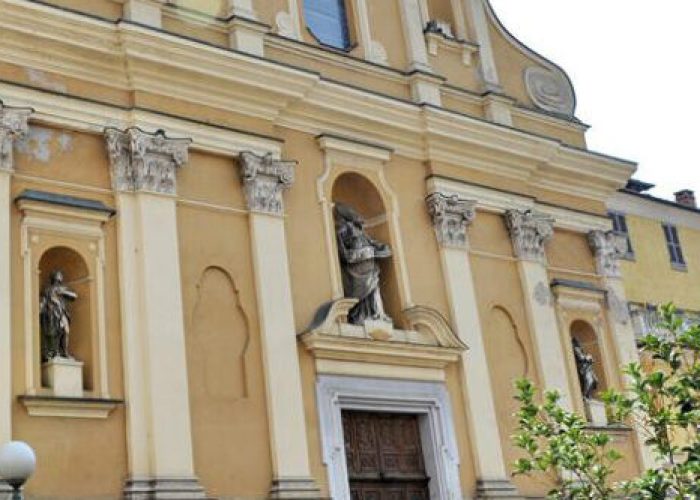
[428,400]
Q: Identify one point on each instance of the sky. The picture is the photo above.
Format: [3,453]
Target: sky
[635,65]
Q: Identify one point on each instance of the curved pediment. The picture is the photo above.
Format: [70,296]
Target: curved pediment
[429,340]
[542,82]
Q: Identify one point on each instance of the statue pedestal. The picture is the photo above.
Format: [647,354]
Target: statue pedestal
[64,376]
[595,413]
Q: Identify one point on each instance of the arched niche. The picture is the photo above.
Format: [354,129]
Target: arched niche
[587,337]
[77,277]
[64,233]
[218,339]
[508,355]
[358,192]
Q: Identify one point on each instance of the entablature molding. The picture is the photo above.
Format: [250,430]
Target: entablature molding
[499,202]
[654,209]
[297,98]
[91,117]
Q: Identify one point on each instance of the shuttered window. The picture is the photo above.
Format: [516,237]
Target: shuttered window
[328,22]
[673,243]
[620,226]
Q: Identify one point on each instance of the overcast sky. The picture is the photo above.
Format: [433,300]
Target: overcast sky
[635,65]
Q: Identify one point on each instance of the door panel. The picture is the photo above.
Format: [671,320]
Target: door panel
[384,456]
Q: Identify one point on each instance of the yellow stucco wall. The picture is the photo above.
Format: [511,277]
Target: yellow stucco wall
[225,369]
[650,277]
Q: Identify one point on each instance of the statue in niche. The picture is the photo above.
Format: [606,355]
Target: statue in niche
[586,375]
[359,256]
[55,318]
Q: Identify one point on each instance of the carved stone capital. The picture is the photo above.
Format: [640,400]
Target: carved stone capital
[264,180]
[451,216]
[608,247]
[13,126]
[529,232]
[145,162]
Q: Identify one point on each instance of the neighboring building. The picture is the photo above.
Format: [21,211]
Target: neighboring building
[197,172]
[662,262]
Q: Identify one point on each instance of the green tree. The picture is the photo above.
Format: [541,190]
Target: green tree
[663,399]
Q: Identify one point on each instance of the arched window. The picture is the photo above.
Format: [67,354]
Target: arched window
[327,21]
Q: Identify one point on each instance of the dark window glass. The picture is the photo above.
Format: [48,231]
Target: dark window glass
[673,243]
[328,22]
[620,226]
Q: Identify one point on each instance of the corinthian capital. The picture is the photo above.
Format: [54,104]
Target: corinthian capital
[13,126]
[451,216]
[145,162]
[529,232]
[264,180]
[608,247]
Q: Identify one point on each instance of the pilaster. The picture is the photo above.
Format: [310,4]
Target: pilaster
[287,22]
[530,232]
[424,85]
[451,217]
[373,50]
[609,247]
[13,125]
[143,168]
[246,33]
[476,13]
[148,12]
[242,8]
[264,180]
[425,88]
[498,109]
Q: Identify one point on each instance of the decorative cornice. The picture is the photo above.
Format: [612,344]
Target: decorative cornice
[145,162]
[264,179]
[608,247]
[13,126]
[293,97]
[529,232]
[451,216]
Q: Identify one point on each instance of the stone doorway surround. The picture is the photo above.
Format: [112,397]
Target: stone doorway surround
[428,400]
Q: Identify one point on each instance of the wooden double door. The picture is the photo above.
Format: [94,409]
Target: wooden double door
[384,456]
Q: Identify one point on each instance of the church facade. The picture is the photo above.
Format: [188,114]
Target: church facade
[294,249]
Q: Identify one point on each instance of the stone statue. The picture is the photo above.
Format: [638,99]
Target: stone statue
[55,318]
[586,375]
[359,255]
